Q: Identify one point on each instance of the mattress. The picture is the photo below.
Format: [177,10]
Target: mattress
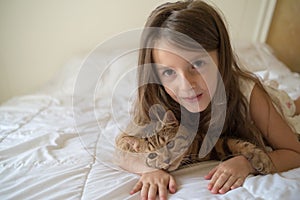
[56,144]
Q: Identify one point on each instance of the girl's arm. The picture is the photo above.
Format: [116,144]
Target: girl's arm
[231,173]
[132,162]
[277,132]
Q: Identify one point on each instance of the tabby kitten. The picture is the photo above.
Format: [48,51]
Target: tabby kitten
[168,145]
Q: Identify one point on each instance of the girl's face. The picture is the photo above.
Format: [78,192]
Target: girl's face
[190,78]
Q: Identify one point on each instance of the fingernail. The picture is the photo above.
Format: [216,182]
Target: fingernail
[214,191]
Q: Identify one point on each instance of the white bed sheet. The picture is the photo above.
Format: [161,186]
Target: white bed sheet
[47,153]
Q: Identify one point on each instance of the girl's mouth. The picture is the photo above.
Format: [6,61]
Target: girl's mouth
[193,98]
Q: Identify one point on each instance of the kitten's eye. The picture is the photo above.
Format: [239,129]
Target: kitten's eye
[170,144]
[152,155]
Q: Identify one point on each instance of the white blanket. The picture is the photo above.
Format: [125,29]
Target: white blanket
[50,149]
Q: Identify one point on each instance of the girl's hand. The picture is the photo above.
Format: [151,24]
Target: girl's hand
[153,183]
[229,175]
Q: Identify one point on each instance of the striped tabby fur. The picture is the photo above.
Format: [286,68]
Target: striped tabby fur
[169,146]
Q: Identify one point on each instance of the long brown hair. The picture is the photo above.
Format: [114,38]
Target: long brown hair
[204,24]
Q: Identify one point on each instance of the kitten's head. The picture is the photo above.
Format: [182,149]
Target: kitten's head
[170,155]
[149,137]
[163,143]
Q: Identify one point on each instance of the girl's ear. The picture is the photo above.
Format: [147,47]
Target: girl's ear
[169,118]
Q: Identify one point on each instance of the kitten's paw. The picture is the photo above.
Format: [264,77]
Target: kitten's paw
[129,143]
[260,161]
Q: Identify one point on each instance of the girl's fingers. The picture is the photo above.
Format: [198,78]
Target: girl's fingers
[162,192]
[136,188]
[213,179]
[222,183]
[227,186]
[238,183]
[210,173]
[172,185]
[144,191]
[156,183]
[152,192]
[219,181]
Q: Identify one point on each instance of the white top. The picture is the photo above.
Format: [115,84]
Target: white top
[281,101]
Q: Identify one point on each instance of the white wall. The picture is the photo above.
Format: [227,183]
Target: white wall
[38,36]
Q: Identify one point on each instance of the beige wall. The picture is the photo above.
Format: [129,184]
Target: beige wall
[284,34]
[38,36]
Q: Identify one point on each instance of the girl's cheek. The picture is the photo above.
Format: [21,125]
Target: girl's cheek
[171,92]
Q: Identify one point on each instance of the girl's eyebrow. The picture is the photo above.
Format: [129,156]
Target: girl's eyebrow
[162,67]
[199,56]
[195,58]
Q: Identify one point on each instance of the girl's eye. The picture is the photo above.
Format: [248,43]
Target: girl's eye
[198,63]
[168,72]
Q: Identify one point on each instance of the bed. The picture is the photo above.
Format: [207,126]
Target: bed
[57,143]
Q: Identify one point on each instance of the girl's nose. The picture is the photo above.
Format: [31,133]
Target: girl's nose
[188,81]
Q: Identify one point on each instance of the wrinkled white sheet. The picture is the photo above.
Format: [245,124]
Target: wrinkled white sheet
[50,149]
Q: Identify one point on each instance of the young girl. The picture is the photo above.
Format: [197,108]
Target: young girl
[189,78]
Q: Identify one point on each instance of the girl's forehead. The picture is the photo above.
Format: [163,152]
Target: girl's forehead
[174,50]
[166,56]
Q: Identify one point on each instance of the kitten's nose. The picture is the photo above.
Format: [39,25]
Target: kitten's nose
[167,161]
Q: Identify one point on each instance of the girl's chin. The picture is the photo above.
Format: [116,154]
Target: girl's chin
[195,109]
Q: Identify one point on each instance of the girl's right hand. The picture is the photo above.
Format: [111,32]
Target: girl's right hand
[154,183]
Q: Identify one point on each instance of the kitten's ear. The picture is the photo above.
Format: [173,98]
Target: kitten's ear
[131,143]
[156,111]
[169,118]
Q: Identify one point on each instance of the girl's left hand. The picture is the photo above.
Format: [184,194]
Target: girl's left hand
[229,175]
